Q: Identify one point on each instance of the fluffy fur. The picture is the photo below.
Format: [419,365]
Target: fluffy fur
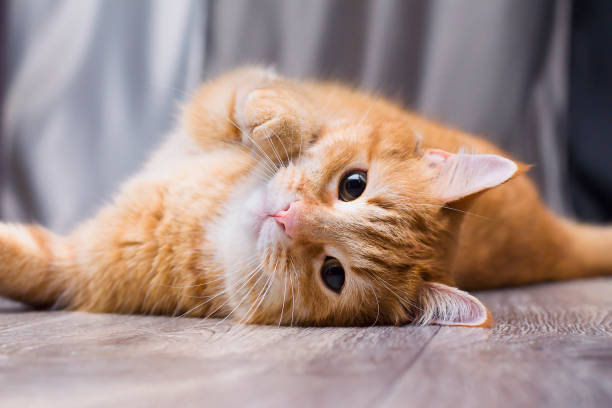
[194,233]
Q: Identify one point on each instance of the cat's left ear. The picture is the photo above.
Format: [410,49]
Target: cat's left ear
[444,305]
[459,175]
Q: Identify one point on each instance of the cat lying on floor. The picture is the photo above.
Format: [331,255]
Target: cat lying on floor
[306,203]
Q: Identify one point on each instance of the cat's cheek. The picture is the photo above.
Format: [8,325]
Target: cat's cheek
[258,228]
[254,214]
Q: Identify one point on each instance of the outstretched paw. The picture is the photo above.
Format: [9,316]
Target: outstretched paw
[275,118]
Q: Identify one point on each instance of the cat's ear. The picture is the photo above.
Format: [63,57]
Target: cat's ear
[448,306]
[459,175]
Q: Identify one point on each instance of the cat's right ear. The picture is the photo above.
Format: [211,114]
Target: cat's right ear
[459,175]
[448,306]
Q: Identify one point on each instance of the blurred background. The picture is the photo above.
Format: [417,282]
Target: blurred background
[89,87]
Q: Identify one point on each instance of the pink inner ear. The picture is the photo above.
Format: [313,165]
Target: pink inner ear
[450,306]
[460,175]
[437,157]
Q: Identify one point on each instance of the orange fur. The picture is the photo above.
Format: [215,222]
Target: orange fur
[177,238]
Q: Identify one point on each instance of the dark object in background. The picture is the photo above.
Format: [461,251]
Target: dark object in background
[590,110]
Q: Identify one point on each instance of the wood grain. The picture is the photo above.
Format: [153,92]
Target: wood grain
[76,359]
[551,346]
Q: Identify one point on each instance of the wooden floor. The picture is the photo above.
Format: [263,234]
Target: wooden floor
[551,347]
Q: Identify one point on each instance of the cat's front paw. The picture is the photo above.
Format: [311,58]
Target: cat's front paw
[275,119]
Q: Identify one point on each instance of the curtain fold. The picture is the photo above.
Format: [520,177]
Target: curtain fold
[90,87]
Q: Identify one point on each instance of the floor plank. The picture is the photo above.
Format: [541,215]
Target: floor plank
[551,346]
[78,358]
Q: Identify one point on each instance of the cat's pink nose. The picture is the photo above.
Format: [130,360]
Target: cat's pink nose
[288,219]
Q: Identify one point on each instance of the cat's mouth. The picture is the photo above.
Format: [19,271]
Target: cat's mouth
[262,222]
[268,215]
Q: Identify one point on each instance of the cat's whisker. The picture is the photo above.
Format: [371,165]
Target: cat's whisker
[201,304]
[284,297]
[272,278]
[262,154]
[219,293]
[262,165]
[284,148]
[264,161]
[449,208]
[292,299]
[230,313]
[402,299]
[297,295]
[271,281]
[255,304]
[248,265]
[237,306]
[280,162]
[269,140]
[247,295]
[244,280]
[390,289]
[266,157]
[259,167]
[377,304]
[291,153]
[250,277]
[287,155]
[296,277]
[263,297]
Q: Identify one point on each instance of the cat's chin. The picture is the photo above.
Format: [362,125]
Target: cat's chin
[245,230]
[270,235]
[258,211]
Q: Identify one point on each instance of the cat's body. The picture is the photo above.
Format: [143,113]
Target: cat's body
[239,213]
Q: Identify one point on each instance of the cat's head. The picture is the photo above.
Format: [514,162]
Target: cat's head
[357,230]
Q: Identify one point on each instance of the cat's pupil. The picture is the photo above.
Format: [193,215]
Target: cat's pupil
[352,185]
[332,274]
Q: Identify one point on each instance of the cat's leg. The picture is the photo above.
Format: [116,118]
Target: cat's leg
[510,238]
[139,254]
[272,116]
[30,264]
[276,120]
[207,121]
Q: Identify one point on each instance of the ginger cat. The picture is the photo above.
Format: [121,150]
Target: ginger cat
[304,203]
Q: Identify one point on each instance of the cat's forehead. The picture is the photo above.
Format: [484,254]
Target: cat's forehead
[342,140]
[344,143]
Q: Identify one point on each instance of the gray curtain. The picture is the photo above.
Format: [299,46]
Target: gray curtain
[89,87]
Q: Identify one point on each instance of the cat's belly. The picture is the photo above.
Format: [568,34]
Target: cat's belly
[154,238]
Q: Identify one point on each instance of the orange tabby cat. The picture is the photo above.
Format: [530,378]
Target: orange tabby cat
[284,202]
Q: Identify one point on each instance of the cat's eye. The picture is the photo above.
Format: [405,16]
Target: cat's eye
[352,185]
[332,274]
